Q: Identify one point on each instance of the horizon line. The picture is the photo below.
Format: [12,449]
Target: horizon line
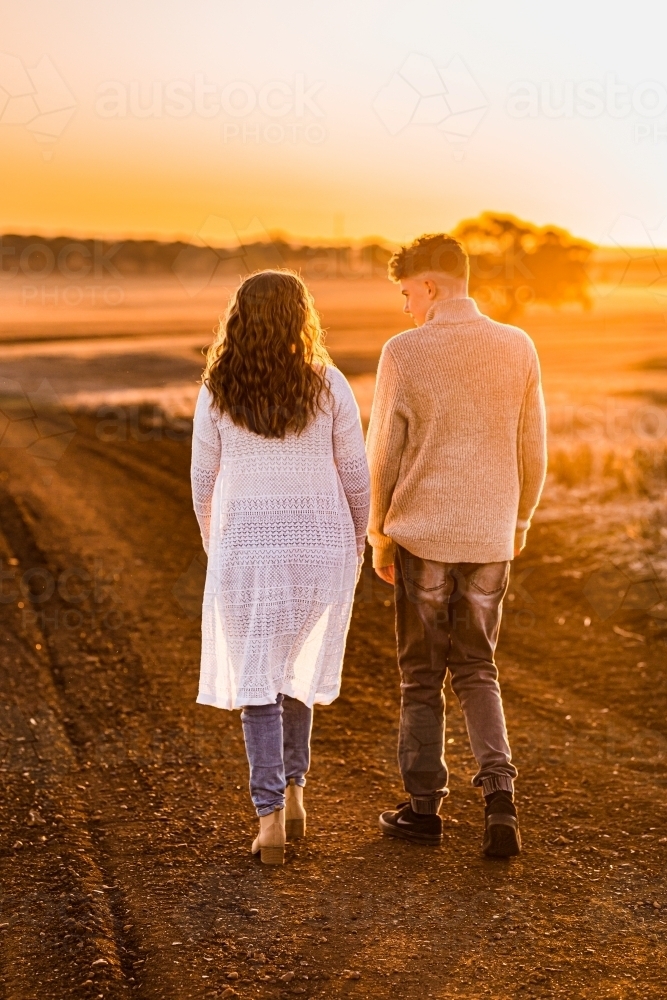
[273,237]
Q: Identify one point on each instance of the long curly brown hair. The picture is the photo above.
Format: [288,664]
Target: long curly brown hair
[266,368]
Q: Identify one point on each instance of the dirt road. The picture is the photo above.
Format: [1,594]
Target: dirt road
[125,821]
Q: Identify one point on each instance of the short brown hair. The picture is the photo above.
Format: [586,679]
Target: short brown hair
[432,252]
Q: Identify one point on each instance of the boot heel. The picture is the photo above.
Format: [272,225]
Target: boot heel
[272,855]
[295,828]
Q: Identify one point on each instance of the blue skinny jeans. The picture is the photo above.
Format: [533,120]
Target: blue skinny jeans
[277,743]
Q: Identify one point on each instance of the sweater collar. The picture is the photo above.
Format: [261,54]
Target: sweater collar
[453,311]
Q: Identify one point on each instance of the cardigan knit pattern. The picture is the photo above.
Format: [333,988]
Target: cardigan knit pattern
[457,439]
[283,521]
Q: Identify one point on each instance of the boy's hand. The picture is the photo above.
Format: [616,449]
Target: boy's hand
[386,573]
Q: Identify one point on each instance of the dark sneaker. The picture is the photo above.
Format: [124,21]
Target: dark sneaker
[409,825]
[501,827]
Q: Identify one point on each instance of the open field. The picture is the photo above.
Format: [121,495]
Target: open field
[124,817]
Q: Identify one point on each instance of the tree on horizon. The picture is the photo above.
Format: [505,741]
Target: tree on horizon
[514,263]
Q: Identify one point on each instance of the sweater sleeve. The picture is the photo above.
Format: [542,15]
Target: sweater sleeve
[532,447]
[206,451]
[385,442]
[349,455]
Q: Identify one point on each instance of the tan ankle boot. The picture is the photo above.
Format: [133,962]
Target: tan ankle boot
[270,842]
[295,814]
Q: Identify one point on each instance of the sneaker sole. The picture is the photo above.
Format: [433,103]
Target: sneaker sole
[389,830]
[502,839]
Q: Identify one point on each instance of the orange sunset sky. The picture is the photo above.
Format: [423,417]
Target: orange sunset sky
[326,120]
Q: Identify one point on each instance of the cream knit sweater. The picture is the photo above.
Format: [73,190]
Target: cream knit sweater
[457,440]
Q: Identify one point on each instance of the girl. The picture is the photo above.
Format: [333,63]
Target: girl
[281,492]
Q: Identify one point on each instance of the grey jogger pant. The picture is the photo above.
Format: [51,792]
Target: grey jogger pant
[447,618]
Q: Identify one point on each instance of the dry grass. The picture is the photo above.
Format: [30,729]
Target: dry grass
[610,473]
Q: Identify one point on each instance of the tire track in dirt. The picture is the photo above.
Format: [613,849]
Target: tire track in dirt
[164,850]
[111,958]
[151,476]
[412,922]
